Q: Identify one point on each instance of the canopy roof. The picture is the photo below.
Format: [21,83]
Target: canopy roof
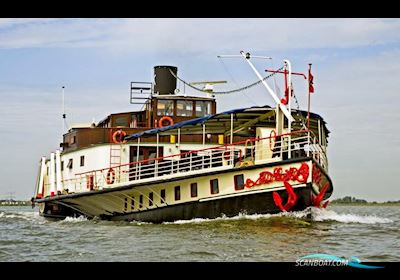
[221,122]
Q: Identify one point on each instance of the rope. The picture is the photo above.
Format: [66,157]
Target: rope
[234,80]
[229,91]
[301,118]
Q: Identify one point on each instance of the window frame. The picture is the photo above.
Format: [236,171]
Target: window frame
[177,193]
[193,186]
[141,201]
[185,104]
[164,113]
[151,199]
[212,186]
[163,197]
[235,181]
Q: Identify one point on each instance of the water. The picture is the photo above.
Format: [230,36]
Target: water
[369,232]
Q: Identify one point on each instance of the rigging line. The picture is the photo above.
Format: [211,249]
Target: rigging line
[234,80]
[230,91]
[275,85]
[301,118]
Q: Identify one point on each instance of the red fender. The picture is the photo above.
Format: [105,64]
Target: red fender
[292,198]
[317,200]
[325,204]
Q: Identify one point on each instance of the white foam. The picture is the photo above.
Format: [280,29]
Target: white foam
[320,215]
[74,219]
[20,215]
[241,216]
[317,215]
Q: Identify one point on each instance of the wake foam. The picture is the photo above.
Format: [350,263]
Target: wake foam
[311,214]
[74,219]
[27,216]
[320,215]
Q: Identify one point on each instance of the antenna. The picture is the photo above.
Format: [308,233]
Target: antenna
[208,86]
[63,110]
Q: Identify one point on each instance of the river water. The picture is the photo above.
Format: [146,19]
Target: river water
[370,233]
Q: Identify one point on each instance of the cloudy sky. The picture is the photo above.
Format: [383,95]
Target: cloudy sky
[356,67]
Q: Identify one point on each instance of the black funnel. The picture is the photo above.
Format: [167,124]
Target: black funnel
[164,81]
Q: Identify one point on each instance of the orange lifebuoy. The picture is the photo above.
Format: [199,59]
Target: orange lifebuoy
[165,118]
[118,137]
[272,143]
[110,176]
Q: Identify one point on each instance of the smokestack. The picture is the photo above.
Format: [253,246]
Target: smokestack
[164,81]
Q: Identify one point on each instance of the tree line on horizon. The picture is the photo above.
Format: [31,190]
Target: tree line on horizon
[352,199]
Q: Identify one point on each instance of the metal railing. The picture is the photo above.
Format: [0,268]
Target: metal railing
[196,162]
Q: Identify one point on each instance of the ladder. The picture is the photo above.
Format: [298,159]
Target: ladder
[115,150]
[115,155]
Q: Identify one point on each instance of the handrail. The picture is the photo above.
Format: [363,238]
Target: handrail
[196,151]
[221,156]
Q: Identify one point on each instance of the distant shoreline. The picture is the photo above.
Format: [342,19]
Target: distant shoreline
[396,203]
[348,200]
[15,203]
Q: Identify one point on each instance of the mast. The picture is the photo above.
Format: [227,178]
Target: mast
[285,111]
[64,121]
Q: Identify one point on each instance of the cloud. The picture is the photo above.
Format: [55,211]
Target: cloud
[197,35]
[356,93]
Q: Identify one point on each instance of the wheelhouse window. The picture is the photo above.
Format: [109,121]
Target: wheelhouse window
[126,204]
[184,108]
[177,193]
[239,182]
[214,186]
[165,107]
[151,199]
[203,108]
[82,160]
[122,121]
[162,195]
[193,190]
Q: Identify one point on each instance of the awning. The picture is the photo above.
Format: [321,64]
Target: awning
[220,123]
[191,122]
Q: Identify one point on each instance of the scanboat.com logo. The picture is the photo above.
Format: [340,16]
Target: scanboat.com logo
[331,260]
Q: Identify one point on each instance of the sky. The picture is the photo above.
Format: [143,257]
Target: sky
[356,68]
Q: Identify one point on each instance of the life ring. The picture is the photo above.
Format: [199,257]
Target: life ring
[110,176]
[118,136]
[272,143]
[227,155]
[165,118]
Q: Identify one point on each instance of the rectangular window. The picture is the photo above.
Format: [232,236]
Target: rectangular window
[62,165]
[193,189]
[70,162]
[165,107]
[126,204]
[132,203]
[141,201]
[151,199]
[82,160]
[162,194]
[121,121]
[203,108]
[177,193]
[184,108]
[214,186]
[239,182]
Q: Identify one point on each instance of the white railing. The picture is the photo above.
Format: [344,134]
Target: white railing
[303,144]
